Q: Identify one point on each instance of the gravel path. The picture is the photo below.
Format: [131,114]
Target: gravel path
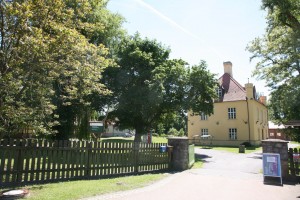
[226,176]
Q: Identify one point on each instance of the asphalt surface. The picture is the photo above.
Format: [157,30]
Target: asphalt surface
[225,176]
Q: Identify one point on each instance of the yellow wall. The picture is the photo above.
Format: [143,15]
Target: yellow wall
[218,124]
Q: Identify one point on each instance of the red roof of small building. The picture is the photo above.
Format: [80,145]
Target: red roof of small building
[231,89]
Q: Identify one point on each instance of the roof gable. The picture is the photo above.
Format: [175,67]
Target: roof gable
[231,89]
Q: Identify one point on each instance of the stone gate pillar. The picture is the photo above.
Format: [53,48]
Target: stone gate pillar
[280,147]
[180,160]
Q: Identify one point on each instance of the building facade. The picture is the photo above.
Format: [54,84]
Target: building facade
[238,117]
[277,132]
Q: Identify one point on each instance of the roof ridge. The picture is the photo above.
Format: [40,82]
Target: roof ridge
[238,84]
[235,81]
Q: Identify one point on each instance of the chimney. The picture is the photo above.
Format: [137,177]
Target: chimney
[263,100]
[249,90]
[228,68]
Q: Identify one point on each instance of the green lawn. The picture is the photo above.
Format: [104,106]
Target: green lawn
[87,188]
[123,139]
[198,163]
[298,143]
[236,149]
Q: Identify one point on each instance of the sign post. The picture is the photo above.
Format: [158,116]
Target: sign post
[272,165]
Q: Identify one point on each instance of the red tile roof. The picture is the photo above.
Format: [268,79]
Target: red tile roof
[231,89]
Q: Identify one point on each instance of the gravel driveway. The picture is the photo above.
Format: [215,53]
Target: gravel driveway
[226,176]
[231,164]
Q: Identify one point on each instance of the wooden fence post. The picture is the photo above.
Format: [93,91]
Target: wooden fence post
[291,160]
[20,160]
[89,158]
[170,156]
[136,146]
[296,163]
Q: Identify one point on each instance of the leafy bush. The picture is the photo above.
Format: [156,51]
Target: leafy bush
[247,144]
[172,131]
[181,132]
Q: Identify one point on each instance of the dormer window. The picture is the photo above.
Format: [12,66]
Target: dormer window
[219,92]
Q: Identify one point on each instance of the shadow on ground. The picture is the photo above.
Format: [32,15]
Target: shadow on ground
[256,156]
[201,157]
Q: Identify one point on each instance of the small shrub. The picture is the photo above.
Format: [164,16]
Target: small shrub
[172,131]
[181,132]
[247,144]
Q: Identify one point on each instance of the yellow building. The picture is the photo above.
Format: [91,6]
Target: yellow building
[238,115]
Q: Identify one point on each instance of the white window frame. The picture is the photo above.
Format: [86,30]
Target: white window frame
[231,113]
[232,134]
[203,116]
[278,134]
[219,92]
[204,131]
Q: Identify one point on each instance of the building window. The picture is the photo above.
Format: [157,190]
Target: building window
[231,113]
[271,134]
[279,134]
[232,134]
[203,116]
[204,131]
[219,93]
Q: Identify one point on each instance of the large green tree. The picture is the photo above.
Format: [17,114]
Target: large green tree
[51,58]
[278,54]
[102,28]
[147,85]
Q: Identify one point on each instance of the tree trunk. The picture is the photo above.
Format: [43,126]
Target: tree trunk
[137,137]
[139,131]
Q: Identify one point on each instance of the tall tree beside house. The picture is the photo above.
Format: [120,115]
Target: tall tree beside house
[103,29]
[278,54]
[147,85]
[50,63]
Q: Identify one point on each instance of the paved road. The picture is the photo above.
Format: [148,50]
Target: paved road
[230,162]
[225,176]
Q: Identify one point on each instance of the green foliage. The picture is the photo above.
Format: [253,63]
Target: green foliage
[181,132]
[160,128]
[172,131]
[51,59]
[278,54]
[149,87]
[60,61]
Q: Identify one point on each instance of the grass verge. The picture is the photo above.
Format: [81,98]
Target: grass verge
[88,188]
[236,149]
[198,163]
[122,139]
[297,143]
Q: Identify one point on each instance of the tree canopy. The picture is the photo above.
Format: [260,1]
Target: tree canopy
[148,85]
[50,60]
[61,61]
[278,54]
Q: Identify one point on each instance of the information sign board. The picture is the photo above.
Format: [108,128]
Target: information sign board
[96,127]
[272,165]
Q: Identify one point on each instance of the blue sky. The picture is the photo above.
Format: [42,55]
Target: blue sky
[194,30]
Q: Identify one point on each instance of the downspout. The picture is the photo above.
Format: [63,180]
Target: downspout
[248,118]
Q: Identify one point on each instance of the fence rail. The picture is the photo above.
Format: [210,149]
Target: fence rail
[36,161]
[294,162]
